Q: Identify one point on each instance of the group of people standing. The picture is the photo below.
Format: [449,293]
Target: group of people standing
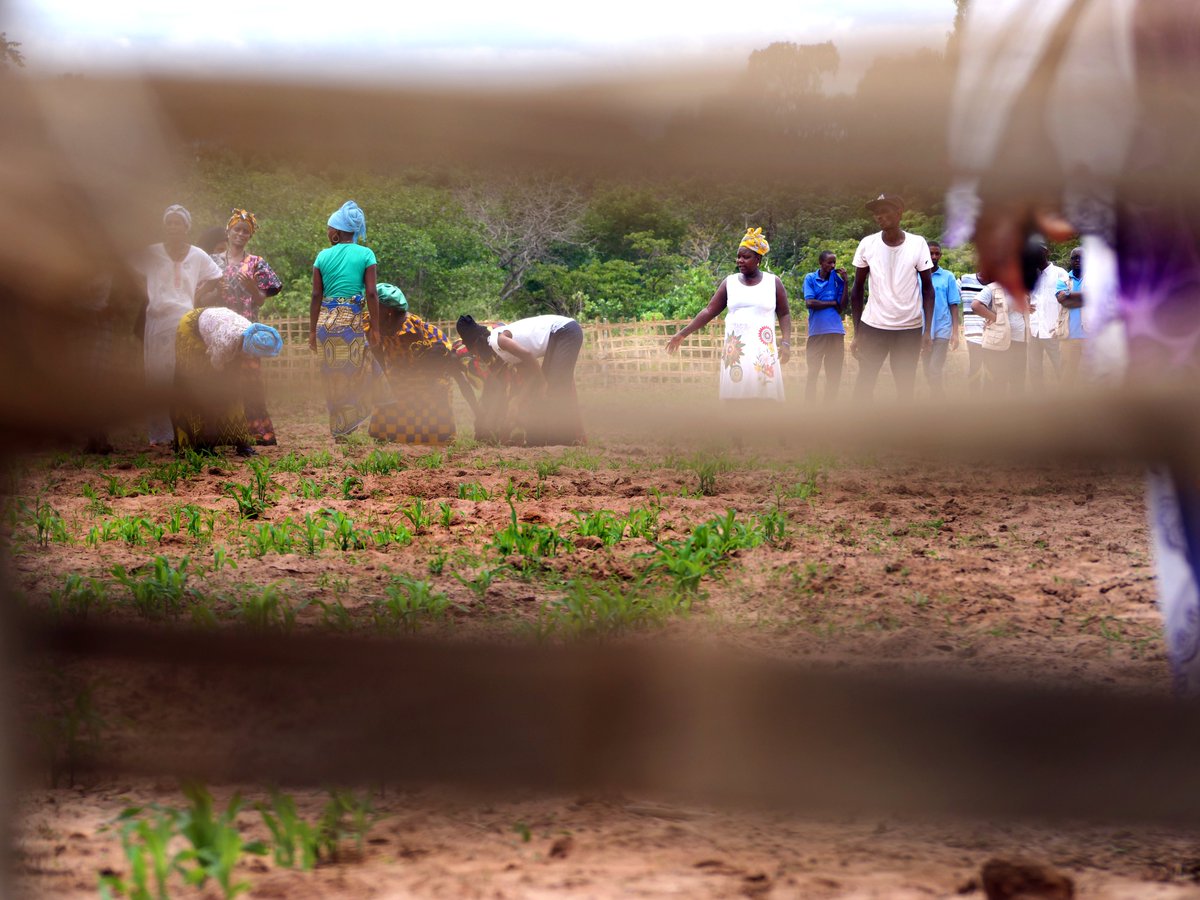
[202,342]
[906,311]
[384,368]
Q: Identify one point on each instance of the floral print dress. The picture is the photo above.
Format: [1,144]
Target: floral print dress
[750,359]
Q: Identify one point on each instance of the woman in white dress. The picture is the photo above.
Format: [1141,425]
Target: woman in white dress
[178,277]
[752,356]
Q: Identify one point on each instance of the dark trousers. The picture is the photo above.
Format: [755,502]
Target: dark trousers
[1039,347]
[559,421]
[828,350]
[1006,369]
[901,348]
[934,364]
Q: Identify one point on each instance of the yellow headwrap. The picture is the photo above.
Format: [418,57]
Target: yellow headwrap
[755,241]
[242,215]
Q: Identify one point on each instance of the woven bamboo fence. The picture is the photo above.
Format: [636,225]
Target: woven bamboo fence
[614,354]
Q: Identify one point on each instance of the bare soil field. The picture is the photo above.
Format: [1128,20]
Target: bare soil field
[899,562]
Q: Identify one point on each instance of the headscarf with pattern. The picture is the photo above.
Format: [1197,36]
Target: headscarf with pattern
[242,215]
[755,241]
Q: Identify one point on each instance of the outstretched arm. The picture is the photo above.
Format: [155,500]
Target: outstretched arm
[718,302]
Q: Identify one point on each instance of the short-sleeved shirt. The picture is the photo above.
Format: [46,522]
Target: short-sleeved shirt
[532,334]
[969,288]
[945,295]
[1074,316]
[343,269]
[1016,321]
[828,320]
[1043,321]
[895,298]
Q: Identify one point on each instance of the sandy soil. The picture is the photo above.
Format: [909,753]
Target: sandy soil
[907,563]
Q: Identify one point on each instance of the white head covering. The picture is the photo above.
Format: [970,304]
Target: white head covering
[222,330]
[176,210]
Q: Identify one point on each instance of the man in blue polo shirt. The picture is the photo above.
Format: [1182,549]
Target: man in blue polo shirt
[1069,292]
[947,325]
[825,295]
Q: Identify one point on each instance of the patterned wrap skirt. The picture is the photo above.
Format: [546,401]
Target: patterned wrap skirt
[207,411]
[347,367]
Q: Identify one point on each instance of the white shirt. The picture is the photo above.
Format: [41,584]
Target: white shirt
[532,334]
[895,298]
[171,289]
[1044,320]
[969,286]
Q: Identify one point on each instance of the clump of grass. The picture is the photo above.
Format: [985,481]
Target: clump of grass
[342,531]
[48,525]
[269,538]
[256,497]
[482,581]
[431,460]
[688,561]
[380,462]
[266,609]
[215,847]
[591,607]
[133,530]
[196,522]
[161,592]
[310,489]
[78,597]
[408,605]
[418,515]
[528,539]
[335,616]
[474,491]
[351,484]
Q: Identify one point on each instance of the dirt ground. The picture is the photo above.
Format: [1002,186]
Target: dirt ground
[903,562]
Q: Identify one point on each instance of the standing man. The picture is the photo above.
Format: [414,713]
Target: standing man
[970,287]
[824,296]
[947,305]
[1070,297]
[178,278]
[1043,318]
[898,317]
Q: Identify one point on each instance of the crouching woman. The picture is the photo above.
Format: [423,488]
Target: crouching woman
[208,410]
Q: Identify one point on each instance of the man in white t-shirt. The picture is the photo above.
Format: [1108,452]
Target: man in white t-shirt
[898,317]
[1043,319]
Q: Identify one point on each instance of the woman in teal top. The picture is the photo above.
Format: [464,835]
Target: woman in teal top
[344,302]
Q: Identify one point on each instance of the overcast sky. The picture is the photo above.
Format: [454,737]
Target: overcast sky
[328,40]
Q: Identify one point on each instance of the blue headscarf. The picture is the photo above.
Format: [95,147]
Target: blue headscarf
[261,340]
[350,218]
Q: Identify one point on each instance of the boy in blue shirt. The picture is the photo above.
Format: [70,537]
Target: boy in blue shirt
[824,296]
[947,307]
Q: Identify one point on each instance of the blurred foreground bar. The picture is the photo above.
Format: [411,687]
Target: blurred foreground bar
[681,723]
